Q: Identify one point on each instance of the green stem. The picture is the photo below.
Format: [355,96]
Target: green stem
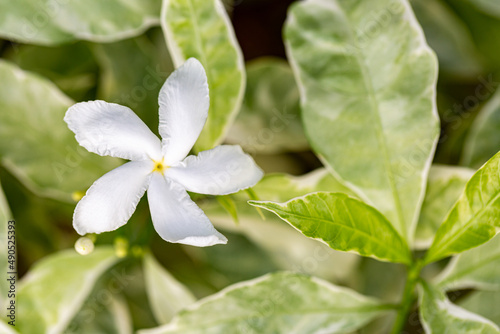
[408,296]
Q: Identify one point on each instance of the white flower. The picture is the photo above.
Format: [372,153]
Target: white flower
[161,168]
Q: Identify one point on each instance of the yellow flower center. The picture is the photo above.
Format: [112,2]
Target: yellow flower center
[159,167]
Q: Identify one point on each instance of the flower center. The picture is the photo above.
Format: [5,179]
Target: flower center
[159,167]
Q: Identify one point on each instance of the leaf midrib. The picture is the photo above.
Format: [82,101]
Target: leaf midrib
[201,47]
[378,122]
[197,35]
[369,237]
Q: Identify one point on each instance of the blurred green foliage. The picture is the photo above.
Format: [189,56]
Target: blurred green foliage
[67,61]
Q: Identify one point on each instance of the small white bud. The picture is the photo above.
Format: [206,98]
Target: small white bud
[84,246]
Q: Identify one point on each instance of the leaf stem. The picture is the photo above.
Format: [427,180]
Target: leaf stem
[408,298]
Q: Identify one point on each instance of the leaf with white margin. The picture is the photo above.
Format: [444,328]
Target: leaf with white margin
[56,22]
[343,223]
[269,120]
[483,140]
[277,303]
[48,306]
[474,218]
[166,295]
[438,315]
[449,37]
[478,268]
[484,303]
[368,83]
[291,251]
[5,216]
[44,156]
[201,29]
[444,187]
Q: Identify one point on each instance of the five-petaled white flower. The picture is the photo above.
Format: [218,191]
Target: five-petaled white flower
[161,168]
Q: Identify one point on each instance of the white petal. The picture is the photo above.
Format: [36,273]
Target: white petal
[114,130]
[222,170]
[177,218]
[112,199]
[184,103]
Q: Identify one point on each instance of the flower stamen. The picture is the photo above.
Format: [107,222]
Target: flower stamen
[159,167]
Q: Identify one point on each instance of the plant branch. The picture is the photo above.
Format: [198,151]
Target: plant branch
[408,296]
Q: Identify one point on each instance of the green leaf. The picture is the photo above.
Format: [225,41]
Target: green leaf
[484,303]
[55,289]
[277,303]
[202,29]
[478,268]
[5,216]
[483,141]
[344,223]
[438,315]
[368,81]
[474,218]
[166,295]
[291,251]
[449,37]
[253,196]
[269,121]
[444,187]
[44,155]
[52,23]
